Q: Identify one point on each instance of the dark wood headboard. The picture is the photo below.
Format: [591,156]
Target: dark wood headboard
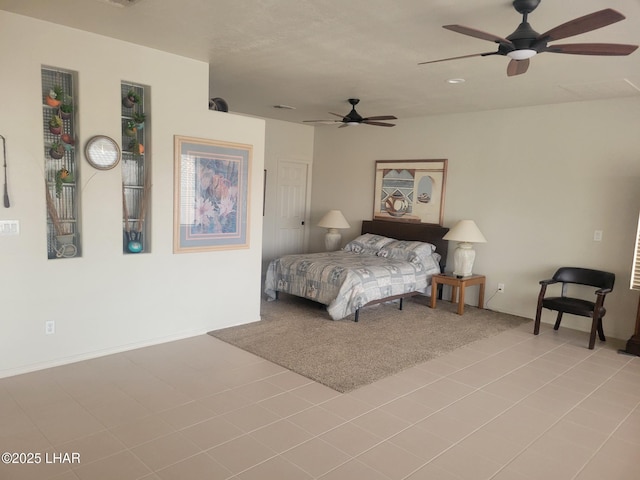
[421,232]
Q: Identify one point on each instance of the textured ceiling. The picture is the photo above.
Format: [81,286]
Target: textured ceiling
[315,54]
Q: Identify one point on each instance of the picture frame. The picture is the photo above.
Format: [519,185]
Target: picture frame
[410,191]
[264,192]
[211,195]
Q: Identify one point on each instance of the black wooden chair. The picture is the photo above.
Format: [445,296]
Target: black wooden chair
[577,306]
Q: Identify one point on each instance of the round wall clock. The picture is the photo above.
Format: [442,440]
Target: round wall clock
[102,152]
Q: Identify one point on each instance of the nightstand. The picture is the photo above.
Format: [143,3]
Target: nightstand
[457,283]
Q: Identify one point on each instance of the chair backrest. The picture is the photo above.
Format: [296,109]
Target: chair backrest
[585,276]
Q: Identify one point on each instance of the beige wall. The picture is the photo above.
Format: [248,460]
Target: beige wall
[106,301]
[537,181]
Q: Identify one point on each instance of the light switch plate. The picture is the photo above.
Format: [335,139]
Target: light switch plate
[9,227]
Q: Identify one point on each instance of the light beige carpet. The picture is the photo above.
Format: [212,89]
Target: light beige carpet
[344,355]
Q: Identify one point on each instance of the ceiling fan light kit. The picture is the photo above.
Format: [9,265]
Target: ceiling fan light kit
[525,42]
[521,54]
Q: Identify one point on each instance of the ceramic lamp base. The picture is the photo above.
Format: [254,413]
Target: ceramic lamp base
[332,240]
[463,259]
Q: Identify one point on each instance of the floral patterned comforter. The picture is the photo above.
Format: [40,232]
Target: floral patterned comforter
[346,281]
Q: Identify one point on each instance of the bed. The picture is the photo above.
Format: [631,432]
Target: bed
[388,261]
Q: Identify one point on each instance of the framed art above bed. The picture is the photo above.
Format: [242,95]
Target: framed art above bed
[410,191]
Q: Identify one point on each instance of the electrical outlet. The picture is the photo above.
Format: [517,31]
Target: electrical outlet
[49,327]
[501,287]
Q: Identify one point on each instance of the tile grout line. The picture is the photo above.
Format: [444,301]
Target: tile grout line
[637,407]
[511,407]
[564,414]
[316,436]
[448,405]
[228,388]
[496,416]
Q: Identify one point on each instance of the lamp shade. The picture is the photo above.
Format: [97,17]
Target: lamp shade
[465,231]
[334,219]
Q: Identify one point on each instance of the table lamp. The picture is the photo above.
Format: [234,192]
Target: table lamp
[333,220]
[466,232]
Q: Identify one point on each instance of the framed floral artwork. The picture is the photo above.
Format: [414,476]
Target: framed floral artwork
[410,191]
[211,195]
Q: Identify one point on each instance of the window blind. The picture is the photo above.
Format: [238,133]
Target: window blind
[635,273]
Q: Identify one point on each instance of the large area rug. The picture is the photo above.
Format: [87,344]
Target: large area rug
[299,335]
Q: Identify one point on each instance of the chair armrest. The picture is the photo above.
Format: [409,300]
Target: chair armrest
[603,291]
[543,290]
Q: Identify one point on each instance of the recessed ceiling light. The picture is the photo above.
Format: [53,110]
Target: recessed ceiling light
[284,107]
[453,81]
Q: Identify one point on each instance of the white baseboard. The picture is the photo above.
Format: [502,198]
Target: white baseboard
[97,353]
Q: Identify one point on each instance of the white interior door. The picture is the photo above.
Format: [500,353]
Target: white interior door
[292,207]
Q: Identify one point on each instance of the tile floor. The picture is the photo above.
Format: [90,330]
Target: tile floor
[511,407]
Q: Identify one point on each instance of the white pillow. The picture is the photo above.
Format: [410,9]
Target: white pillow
[410,251]
[367,244]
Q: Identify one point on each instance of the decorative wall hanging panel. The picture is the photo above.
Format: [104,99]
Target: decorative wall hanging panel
[60,166]
[136,174]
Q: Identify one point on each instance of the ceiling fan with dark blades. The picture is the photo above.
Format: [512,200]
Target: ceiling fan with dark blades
[525,42]
[354,118]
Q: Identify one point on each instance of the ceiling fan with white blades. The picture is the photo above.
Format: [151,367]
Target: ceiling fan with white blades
[354,118]
[525,42]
